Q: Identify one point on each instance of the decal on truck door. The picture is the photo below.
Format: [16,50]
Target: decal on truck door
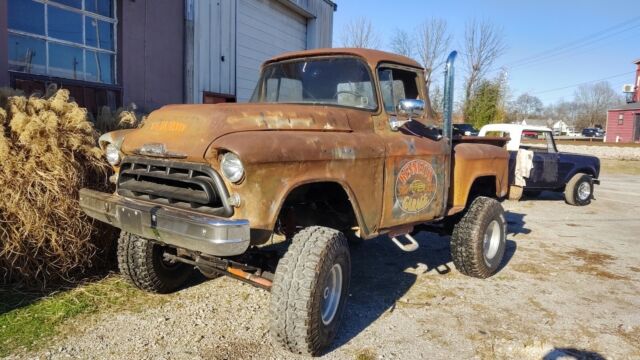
[416,186]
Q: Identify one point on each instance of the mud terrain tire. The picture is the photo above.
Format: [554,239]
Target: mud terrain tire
[479,239]
[140,262]
[307,298]
[579,190]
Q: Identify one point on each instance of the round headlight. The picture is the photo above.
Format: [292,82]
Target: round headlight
[232,167]
[112,154]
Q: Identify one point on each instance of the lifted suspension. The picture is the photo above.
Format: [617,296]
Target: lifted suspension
[243,272]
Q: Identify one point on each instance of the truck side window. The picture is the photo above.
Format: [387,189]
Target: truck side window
[541,141]
[395,85]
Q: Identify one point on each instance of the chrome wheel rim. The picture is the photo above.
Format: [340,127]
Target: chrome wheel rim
[491,242]
[331,294]
[584,191]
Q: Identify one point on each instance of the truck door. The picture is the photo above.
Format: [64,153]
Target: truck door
[545,172]
[414,164]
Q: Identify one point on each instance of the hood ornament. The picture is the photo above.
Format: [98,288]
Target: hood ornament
[158,150]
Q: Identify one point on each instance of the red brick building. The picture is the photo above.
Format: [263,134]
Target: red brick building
[623,122]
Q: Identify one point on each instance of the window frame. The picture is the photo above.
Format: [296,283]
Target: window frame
[549,140]
[84,47]
[260,86]
[387,65]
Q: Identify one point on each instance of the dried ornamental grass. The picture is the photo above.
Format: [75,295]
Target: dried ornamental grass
[47,153]
[123,118]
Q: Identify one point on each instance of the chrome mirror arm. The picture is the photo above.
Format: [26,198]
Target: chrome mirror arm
[396,124]
[408,107]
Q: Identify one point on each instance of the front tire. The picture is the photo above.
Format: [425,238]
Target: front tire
[479,239]
[310,290]
[579,190]
[141,262]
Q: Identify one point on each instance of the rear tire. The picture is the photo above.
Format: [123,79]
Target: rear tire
[141,262]
[310,290]
[479,239]
[579,190]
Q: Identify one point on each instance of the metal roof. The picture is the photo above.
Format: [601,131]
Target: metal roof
[513,127]
[629,106]
[373,57]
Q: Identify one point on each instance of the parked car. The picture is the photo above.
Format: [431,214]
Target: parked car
[590,132]
[573,174]
[464,130]
[334,144]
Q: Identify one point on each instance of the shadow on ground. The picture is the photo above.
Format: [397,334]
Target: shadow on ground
[516,223]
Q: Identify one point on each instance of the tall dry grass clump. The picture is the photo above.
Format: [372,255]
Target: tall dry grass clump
[47,153]
[122,118]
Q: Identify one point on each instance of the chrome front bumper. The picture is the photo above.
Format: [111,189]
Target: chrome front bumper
[207,234]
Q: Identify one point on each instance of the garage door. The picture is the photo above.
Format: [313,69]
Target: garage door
[265,28]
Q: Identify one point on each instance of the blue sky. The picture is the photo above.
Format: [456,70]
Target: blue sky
[530,28]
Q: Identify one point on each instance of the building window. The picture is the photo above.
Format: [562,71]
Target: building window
[73,39]
[620,119]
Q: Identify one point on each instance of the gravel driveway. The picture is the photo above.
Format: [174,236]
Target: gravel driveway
[603,152]
[569,286]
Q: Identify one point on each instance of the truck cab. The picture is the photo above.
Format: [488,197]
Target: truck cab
[334,144]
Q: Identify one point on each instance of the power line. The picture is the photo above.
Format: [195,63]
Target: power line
[579,42]
[585,50]
[582,83]
[571,50]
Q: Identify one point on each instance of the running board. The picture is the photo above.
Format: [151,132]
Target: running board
[411,246]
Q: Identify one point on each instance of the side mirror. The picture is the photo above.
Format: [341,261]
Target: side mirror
[410,107]
[407,107]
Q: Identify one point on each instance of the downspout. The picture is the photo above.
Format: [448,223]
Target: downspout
[447,126]
[187,81]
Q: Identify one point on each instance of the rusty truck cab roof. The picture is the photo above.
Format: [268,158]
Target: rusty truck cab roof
[372,57]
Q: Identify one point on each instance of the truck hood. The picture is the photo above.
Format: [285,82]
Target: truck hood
[186,131]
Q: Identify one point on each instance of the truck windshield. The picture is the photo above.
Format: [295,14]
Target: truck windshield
[323,81]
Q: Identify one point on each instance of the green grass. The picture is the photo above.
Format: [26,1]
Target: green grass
[34,324]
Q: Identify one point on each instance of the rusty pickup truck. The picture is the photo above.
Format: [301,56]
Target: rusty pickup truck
[333,146]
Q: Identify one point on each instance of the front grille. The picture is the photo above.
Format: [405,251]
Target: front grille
[180,184]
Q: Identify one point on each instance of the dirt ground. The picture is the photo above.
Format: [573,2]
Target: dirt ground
[569,287]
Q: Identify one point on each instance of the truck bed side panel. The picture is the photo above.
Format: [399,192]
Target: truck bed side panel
[472,161]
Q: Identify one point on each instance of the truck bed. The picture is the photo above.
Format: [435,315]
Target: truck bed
[491,140]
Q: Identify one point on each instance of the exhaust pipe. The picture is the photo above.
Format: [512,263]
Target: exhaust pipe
[447,127]
[449,75]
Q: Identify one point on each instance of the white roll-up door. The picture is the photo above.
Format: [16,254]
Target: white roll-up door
[265,28]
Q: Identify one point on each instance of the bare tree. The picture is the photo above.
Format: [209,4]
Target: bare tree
[593,101]
[360,33]
[432,40]
[526,106]
[401,43]
[483,44]
[567,110]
